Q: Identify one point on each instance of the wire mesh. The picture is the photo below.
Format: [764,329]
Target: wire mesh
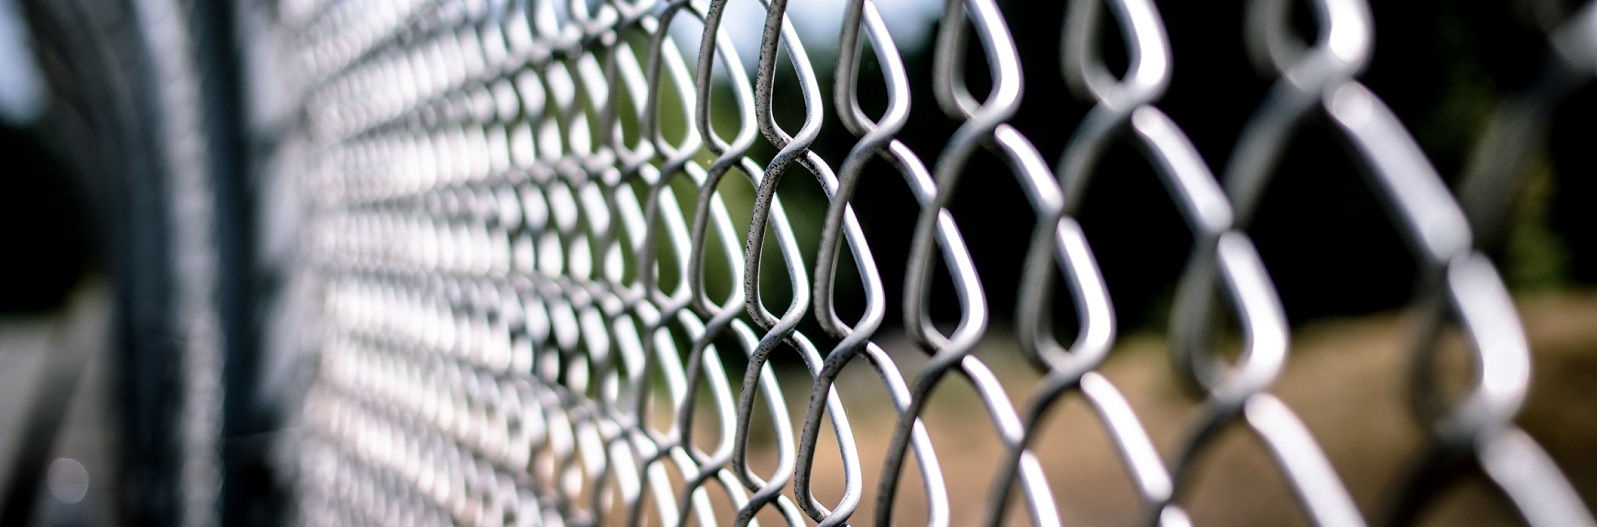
[539,304]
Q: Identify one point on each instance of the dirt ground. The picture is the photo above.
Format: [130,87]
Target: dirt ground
[1346,379]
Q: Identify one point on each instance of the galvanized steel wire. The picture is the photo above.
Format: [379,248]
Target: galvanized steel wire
[510,282]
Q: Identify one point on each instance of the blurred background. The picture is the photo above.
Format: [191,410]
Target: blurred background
[97,229]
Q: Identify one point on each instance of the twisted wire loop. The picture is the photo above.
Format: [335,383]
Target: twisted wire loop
[876,140]
[536,291]
[1481,305]
[1233,392]
[1458,282]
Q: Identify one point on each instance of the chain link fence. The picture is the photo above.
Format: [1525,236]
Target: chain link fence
[541,292]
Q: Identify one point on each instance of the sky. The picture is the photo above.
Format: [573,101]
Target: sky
[21,88]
